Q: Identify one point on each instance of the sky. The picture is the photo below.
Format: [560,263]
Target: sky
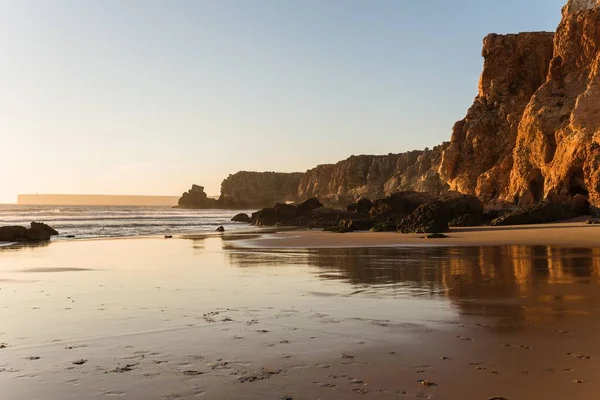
[150,96]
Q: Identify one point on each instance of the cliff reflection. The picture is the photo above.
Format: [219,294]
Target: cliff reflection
[516,282]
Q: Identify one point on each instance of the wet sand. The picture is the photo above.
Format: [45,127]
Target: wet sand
[185,319]
[565,234]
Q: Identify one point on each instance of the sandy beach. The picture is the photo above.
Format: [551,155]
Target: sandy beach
[574,233]
[215,318]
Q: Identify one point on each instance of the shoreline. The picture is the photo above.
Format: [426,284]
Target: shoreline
[571,233]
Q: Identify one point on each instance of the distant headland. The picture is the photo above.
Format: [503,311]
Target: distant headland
[95,200]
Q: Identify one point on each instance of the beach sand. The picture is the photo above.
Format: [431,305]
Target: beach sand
[214,318]
[566,234]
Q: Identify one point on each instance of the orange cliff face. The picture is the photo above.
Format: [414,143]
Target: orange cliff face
[533,132]
[558,145]
[480,156]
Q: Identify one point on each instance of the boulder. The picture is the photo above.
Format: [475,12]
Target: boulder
[281,213]
[324,217]
[43,227]
[36,233]
[308,206]
[241,217]
[540,213]
[13,233]
[360,206]
[399,205]
[428,218]
[436,236]
[458,205]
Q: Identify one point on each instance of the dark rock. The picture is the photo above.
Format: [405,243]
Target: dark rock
[580,205]
[308,206]
[355,224]
[40,226]
[270,216]
[37,233]
[427,218]
[458,205]
[168,236]
[490,215]
[324,217]
[436,236]
[540,213]
[398,205]
[13,233]
[220,229]
[337,229]
[387,226]
[464,221]
[70,236]
[360,206]
[241,217]
[592,222]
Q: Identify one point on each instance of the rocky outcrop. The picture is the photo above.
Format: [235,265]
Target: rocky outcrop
[532,133]
[258,189]
[310,213]
[36,233]
[435,216]
[195,198]
[373,176]
[557,153]
[479,158]
[241,217]
[544,212]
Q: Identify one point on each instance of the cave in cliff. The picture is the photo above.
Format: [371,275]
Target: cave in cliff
[577,184]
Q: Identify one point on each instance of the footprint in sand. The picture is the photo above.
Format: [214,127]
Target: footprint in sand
[326,385]
[580,356]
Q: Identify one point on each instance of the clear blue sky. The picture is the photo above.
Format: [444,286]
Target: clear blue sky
[150,96]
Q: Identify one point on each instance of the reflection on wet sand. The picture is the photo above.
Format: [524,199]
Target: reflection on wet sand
[489,281]
[155,318]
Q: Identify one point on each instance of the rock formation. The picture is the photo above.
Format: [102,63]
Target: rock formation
[36,233]
[373,176]
[259,189]
[195,198]
[557,153]
[532,133]
[480,155]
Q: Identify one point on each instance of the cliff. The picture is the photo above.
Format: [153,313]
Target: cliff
[480,156]
[557,153]
[533,132]
[373,176]
[259,189]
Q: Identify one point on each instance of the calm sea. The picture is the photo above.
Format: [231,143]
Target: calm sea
[116,221]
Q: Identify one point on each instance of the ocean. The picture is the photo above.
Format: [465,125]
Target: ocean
[121,221]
